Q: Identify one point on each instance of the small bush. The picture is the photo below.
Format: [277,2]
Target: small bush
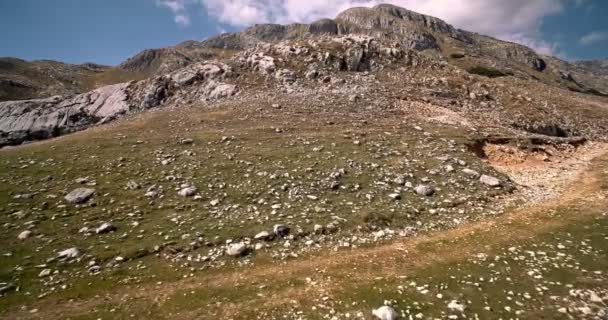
[488,72]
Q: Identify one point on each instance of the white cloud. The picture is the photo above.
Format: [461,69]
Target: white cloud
[178,7]
[593,38]
[182,20]
[514,20]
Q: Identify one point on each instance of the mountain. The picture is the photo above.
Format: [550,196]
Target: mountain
[388,23]
[380,164]
[358,39]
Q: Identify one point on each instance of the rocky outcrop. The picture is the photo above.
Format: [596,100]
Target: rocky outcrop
[27,120]
[45,118]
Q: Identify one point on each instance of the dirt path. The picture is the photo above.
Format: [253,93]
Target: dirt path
[331,269]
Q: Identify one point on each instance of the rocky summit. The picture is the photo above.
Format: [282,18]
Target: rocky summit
[379,165]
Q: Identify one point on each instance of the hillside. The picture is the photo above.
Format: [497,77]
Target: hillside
[380,165]
[20,79]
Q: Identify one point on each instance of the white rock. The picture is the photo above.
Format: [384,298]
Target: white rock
[236,249]
[470,172]
[262,235]
[105,227]
[44,273]
[385,313]
[456,306]
[489,181]
[69,253]
[425,190]
[24,235]
[79,195]
[318,228]
[187,191]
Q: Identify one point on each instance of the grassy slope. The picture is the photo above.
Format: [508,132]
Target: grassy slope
[112,155]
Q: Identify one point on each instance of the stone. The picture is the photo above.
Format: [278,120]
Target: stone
[45,273]
[425,190]
[70,253]
[286,76]
[263,235]
[490,181]
[318,229]
[400,180]
[280,230]
[79,195]
[187,191]
[456,306]
[385,313]
[394,196]
[470,172]
[133,185]
[105,228]
[24,235]
[152,191]
[236,249]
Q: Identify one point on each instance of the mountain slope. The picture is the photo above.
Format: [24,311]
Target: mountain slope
[20,79]
[286,57]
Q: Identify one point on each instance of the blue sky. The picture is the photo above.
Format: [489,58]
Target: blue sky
[109,31]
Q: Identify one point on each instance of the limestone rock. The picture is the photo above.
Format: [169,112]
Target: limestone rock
[24,235]
[70,253]
[385,313]
[236,249]
[490,181]
[79,195]
[425,190]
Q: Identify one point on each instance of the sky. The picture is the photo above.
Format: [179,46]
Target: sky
[109,31]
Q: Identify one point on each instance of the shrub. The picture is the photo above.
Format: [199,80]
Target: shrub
[488,72]
[457,55]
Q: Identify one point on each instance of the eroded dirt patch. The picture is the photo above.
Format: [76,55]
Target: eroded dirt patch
[542,171]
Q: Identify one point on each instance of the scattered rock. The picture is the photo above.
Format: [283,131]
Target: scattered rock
[456,306]
[385,313]
[79,195]
[45,273]
[105,228]
[24,235]
[236,249]
[280,230]
[70,253]
[263,235]
[187,191]
[489,181]
[425,190]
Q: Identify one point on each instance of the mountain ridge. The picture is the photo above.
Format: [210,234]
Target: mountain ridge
[384,21]
[287,57]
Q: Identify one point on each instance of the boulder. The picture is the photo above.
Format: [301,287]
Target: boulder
[24,235]
[187,191]
[280,230]
[236,249]
[70,253]
[263,235]
[79,195]
[425,190]
[489,181]
[385,313]
[105,228]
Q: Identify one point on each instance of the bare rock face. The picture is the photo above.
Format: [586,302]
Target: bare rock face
[28,120]
[45,118]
